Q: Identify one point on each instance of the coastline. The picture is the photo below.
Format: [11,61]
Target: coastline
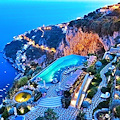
[27,81]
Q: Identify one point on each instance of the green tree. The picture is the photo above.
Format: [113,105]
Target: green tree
[117,111]
[85,63]
[104,61]
[80,115]
[92,92]
[33,64]
[91,70]
[97,77]
[104,90]
[40,118]
[5,114]
[118,66]
[50,115]
[66,99]
[25,95]
[22,81]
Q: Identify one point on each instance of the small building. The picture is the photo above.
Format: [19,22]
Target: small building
[105,10]
[91,60]
[115,50]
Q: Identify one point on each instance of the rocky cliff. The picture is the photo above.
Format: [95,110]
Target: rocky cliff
[82,43]
[95,32]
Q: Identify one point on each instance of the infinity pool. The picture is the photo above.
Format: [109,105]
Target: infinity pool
[49,73]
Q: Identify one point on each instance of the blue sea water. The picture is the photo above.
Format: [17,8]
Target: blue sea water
[18,17]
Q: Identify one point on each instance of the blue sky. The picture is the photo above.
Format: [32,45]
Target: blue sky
[108,2]
[57,0]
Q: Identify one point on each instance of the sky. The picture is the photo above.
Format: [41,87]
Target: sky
[55,0]
[3,2]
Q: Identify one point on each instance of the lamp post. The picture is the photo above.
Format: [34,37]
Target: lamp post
[59,85]
[44,83]
[15,111]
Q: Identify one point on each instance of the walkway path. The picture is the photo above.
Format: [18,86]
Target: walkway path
[97,99]
[64,114]
[52,90]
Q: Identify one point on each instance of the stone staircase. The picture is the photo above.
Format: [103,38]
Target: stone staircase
[50,102]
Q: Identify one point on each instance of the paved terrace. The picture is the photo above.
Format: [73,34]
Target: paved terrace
[64,114]
[39,108]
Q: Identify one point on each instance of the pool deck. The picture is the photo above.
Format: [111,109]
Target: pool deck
[73,65]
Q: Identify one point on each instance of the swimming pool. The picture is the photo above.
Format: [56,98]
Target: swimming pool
[48,74]
[20,117]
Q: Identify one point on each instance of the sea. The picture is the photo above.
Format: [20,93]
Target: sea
[18,17]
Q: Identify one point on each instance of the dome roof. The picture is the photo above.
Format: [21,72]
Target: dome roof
[98,64]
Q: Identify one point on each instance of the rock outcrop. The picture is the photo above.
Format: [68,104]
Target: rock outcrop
[82,43]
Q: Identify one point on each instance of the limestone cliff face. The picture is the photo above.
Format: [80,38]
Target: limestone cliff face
[109,41]
[82,43]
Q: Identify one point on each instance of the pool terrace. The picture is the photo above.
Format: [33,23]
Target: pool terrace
[53,71]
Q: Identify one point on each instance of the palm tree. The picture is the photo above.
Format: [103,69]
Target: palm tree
[25,95]
[50,115]
[80,115]
[40,118]
[85,64]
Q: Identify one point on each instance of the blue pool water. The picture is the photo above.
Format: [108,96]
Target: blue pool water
[20,118]
[71,60]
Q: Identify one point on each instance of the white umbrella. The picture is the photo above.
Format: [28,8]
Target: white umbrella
[2,118]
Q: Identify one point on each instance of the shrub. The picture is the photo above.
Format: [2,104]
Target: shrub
[50,115]
[25,111]
[80,116]
[91,69]
[118,66]
[92,92]
[66,102]
[2,110]
[117,111]
[40,118]
[5,114]
[118,81]
[104,61]
[33,64]
[22,81]
[66,93]
[30,72]
[66,99]
[104,104]
[108,73]
[104,90]
[97,77]
[95,84]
